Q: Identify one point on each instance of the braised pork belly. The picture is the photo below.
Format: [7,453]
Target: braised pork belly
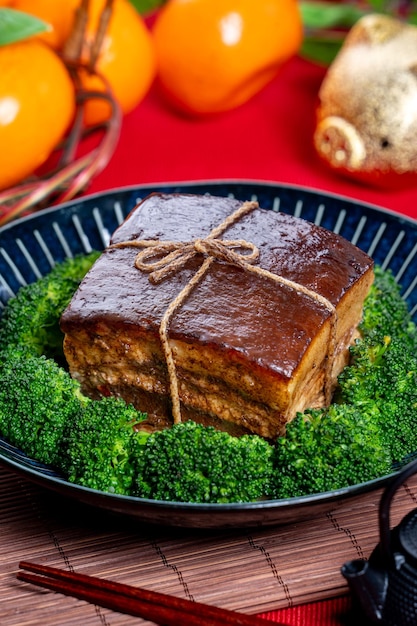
[247,343]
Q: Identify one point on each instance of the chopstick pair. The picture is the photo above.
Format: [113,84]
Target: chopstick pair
[157,607]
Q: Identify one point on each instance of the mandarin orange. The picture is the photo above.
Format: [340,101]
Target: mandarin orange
[126,60]
[37,104]
[127,57]
[214,55]
[59,16]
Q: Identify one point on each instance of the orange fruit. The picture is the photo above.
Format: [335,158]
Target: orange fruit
[59,16]
[126,60]
[36,107]
[214,55]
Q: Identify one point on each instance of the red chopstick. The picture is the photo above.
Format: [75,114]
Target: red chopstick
[151,605]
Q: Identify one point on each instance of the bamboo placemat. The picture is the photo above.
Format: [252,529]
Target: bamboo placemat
[252,570]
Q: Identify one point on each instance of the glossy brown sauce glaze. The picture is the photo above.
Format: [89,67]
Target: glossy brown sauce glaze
[267,324]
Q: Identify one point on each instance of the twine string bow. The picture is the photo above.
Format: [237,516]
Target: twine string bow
[162,259]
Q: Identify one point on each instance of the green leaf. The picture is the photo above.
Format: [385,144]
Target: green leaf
[322,50]
[327,14]
[16,25]
[144,6]
[379,6]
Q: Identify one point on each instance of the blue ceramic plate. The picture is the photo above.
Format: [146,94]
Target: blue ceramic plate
[29,248]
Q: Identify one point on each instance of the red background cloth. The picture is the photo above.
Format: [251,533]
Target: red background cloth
[267,139]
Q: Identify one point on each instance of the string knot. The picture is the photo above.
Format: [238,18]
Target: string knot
[161,259]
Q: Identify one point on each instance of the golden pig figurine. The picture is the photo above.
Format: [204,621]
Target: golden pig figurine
[367,113]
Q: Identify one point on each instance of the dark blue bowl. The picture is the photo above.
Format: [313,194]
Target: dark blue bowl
[29,248]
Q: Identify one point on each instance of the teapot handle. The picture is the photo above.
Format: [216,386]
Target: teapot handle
[385,505]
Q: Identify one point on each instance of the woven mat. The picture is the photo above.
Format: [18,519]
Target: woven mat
[252,571]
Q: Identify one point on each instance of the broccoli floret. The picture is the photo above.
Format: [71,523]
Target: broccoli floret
[382,380]
[382,375]
[44,413]
[190,462]
[42,409]
[359,382]
[385,312]
[102,445]
[37,398]
[327,449]
[372,423]
[31,318]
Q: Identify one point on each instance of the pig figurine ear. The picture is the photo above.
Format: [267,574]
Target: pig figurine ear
[374,30]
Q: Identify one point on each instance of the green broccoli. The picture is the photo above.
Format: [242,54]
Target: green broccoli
[385,312]
[372,424]
[382,380]
[37,398]
[326,449]
[190,462]
[101,445]
[42,409]
[44,413]
[31,318]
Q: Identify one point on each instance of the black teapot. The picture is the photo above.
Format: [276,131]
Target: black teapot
[385,587]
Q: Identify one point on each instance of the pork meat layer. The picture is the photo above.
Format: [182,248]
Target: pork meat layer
[249,352]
